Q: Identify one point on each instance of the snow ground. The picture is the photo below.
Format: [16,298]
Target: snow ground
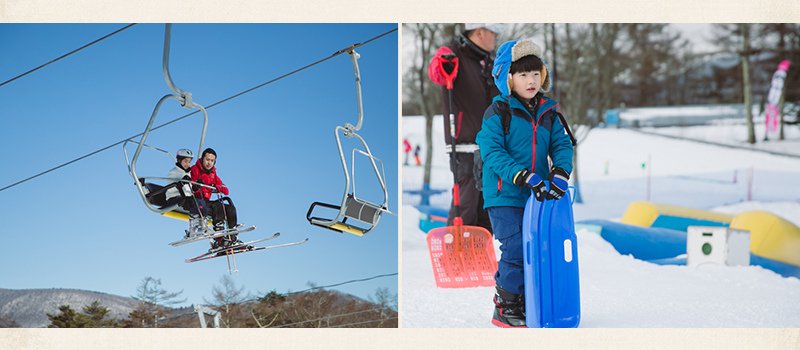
[733,132]
[617,290]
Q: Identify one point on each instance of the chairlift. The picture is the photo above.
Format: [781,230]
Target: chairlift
[154,195]
[367,213]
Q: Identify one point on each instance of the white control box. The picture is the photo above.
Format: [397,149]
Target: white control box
[717,245]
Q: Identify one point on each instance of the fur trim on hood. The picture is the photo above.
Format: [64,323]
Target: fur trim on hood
[511,51]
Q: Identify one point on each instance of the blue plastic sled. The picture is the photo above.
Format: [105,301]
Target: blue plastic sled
[550,248]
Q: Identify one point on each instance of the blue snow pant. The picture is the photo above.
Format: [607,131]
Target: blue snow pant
[507,228]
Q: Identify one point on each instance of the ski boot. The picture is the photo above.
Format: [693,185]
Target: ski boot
[219,226]
[229,241]
[196,228]
[509,310]
[234,240]
[217,243]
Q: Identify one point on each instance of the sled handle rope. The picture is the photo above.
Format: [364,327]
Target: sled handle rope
[185,100]
[353,207]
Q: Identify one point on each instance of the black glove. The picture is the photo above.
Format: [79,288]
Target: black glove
[533,181]
[448,63]
[559,182]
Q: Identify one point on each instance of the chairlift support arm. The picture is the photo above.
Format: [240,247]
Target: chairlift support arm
[185,100]
[351,131]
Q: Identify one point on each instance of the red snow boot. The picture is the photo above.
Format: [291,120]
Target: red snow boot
[509,310]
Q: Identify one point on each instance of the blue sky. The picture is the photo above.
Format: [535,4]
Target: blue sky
[84,225]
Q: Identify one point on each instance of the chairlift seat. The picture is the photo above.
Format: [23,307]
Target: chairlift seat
[362,210]
[353,207]
[356,209]
[156,195]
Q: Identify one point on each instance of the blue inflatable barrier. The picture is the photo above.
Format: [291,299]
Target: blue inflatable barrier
[425,193]
[431,217]
[550,249]
[644,243]
[663,246]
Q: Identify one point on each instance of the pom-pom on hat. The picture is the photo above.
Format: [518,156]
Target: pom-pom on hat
[511,51]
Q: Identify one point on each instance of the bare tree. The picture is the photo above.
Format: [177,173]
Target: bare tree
[421,93]
[312,309]
[8,322]
[387,305]
[590,61]
[270,310]
[744,29]
[153,301]
[228,299]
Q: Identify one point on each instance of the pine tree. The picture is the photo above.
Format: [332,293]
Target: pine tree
[93,316]
[66,318]
[96,316]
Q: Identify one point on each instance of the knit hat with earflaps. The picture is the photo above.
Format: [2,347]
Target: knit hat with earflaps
[511,51]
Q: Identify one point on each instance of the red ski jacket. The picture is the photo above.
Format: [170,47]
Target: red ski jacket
[208,177]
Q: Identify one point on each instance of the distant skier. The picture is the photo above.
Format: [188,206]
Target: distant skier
[205,172]
[416,155]
[406,150]
[182,195]
[508,154]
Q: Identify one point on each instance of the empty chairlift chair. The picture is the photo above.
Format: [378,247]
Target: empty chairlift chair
[352,208]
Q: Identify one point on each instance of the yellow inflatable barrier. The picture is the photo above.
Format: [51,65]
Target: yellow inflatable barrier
[649,214]
[771,236]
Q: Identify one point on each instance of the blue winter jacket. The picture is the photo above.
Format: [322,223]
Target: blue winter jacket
[506,154]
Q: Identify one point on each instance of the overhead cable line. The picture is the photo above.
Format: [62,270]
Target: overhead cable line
[328,286]
[360,323]
[67,54]
[347,282]
[327,318]
[207,107]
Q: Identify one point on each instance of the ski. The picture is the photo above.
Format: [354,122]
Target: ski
[216,234]
[236,246]
[239,249]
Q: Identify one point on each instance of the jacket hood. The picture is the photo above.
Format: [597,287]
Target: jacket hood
[509,52]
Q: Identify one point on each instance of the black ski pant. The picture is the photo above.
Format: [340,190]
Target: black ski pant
[472,211]
[193,205]
[223,209]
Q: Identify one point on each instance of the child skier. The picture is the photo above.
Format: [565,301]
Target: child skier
[182,195]
[205,172]
[514,165]
[406,150]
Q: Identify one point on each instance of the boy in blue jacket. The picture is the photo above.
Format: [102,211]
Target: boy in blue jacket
[514,166]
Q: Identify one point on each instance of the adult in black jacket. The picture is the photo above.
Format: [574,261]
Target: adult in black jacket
[473,90]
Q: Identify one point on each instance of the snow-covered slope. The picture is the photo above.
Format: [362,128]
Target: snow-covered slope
[617,290]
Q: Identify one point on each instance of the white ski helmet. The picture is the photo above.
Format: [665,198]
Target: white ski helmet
[184,153]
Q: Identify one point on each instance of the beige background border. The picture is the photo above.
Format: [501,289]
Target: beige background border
[700,11]
[685,11]
[385,339]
